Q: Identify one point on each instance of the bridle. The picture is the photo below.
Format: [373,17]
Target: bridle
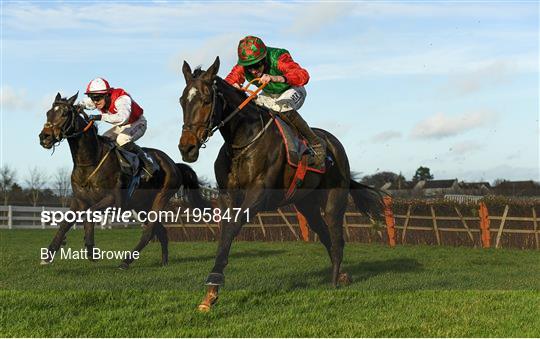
[208,125]
[66,133]
[210,128]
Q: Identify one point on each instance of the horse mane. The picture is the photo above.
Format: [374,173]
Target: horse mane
[241,95]
[197,71]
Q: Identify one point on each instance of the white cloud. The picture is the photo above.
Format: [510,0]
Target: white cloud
[465,147]
[385,136]
[446,9]
[318,15]
[16,100]
[464,64]
[332,126]
[497,73]
[125,18]
[440,125]
[223,45]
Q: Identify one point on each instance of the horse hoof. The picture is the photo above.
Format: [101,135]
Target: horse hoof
[215,279]
[209,300]
[123,266]
[45,262]
[344,279]
[203,308]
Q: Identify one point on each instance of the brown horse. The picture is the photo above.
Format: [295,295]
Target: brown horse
[98,182]
[253,174]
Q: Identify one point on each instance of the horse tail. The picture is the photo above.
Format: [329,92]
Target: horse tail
[190,183]
[369,200]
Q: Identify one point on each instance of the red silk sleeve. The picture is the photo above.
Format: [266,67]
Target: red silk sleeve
[296,75]
[236,76]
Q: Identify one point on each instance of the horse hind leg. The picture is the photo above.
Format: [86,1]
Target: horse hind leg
[311,211]
[153,228]
[335,208]
[161,233]
[148,233]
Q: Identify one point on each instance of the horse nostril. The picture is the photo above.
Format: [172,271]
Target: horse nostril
[188,149]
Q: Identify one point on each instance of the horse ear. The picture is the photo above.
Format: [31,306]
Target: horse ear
[71,100]
[212,71]
[58,97]
[81,111]
[186,69]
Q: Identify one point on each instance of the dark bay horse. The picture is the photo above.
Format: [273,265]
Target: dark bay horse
[98,182]
[252,170]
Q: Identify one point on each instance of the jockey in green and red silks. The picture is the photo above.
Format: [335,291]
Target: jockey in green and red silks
[284,92]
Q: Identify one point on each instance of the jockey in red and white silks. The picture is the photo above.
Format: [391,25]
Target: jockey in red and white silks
[118,108]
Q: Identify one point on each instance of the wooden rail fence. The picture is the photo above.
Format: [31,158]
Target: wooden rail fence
[464,226]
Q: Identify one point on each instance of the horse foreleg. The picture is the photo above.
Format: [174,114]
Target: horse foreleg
[60,235]
[89,239]
[229,231]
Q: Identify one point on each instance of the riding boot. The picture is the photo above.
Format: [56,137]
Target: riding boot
[149,166]
[316,143]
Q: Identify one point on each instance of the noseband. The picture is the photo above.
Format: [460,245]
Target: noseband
[67,133]
[208,125]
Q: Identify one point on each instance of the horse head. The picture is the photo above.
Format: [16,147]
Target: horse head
[61,121]
[198,106]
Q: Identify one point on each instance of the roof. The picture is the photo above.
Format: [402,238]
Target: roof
[439,183]
[405,185]
[475,185]
[518,184]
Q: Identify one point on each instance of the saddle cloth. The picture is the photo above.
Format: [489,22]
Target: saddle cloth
[130,164]
[295,146]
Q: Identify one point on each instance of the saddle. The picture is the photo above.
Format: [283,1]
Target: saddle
[299,155]
[130,165]
[129,162]
[297,148]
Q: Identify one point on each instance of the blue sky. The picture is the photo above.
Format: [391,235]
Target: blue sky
[453,86]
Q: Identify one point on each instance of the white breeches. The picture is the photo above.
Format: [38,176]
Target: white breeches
[293,98]
[128,132]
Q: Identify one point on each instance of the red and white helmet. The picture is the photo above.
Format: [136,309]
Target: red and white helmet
[98,86]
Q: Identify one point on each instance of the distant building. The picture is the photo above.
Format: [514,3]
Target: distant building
[475,188]
[432,188]
[399,189]
[518,188]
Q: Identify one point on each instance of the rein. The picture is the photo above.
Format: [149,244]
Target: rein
[211,130]
[252,95]
[64,132]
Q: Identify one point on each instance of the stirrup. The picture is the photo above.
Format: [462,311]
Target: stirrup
[319,155]
[145,174]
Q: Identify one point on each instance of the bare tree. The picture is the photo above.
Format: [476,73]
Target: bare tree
[7,179]
[62,185]
[36,182]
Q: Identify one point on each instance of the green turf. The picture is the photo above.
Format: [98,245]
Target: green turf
[272,289]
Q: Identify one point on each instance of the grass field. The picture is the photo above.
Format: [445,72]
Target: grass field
[272,289]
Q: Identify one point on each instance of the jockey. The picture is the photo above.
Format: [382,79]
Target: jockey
[284,92]
[117,108]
